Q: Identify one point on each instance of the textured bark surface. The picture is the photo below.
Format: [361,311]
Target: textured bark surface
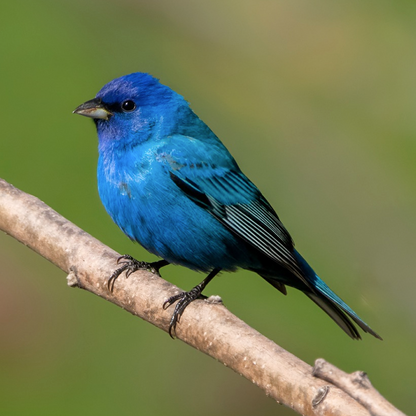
[358,386]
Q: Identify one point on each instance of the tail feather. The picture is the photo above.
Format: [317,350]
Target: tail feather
[332,304]
[338,310]
[336,314]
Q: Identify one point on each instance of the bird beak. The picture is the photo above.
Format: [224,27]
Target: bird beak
[95,109]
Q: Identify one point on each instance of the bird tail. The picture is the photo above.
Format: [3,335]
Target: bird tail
[333,305]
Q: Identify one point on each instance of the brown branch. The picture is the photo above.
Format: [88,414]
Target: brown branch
[206,326]
[358,386]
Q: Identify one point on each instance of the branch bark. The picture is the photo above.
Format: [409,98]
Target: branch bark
[358,386]
[206,325]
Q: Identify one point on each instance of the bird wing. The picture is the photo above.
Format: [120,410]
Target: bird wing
[227,194]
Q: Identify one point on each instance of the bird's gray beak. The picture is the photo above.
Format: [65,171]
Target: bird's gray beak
[95,109]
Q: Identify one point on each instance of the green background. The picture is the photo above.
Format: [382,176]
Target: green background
[315,99]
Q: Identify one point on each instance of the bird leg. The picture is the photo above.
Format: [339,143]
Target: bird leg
[184,299]
[130,265]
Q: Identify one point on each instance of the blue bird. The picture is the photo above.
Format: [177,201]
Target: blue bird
[170,184]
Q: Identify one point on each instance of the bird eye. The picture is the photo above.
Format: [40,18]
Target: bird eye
[128,105]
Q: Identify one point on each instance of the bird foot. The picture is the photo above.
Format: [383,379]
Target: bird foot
[131,265]
[184,299]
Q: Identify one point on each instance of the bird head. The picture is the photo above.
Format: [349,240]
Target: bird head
[134,108]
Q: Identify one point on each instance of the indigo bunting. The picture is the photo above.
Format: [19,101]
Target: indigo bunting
[170,184]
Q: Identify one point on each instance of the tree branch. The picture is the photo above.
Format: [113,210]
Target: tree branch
[207,326]
[358,386]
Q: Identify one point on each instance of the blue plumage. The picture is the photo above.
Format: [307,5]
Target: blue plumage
[170,184]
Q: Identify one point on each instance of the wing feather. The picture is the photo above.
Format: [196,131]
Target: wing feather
[237,203]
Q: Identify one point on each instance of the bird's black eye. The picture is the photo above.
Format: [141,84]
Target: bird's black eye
[128,105]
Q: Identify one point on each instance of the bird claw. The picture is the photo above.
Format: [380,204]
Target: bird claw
[183,299]
[130,265]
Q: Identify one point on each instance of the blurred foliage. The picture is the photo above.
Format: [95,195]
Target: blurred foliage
[316,100]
